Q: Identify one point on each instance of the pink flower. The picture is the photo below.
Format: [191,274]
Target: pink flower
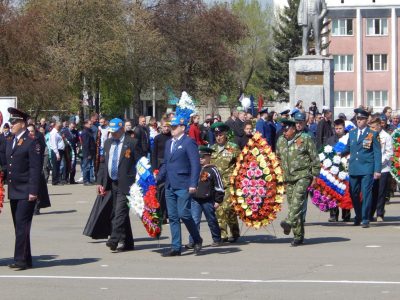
[253,191]
[250,173]
[261,182]
[253,165]
[261,191]
[253,182]
[245,182]
[250,200]
[257,200]
[245,190]
[254,207]
[258,172]
[332,204]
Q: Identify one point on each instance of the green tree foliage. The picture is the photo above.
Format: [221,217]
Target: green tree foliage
[287,44]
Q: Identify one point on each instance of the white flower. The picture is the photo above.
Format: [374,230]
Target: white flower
[330,178]
[328,149]
[336,159]
[322,157]
[336,182]
[135,199]
[344,161]
[327,163]
[334,170]
[342,175]
[342,186]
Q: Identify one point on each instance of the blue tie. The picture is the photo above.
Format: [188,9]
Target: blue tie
[174,145]
[114,162]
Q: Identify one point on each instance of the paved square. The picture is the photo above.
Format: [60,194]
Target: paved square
[338,261]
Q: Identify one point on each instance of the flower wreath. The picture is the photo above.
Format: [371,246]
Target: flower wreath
[257,184]
[395,168]
[142,198]
[332,186]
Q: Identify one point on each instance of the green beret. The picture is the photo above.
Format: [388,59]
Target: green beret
[205,150]
[219,127]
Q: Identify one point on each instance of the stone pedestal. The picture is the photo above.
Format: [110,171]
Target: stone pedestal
[311,79]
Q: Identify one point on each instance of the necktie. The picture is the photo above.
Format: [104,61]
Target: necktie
[359,136]
[15,142]
[174,144]
[114,162]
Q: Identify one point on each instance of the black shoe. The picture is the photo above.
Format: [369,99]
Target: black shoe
[356,223]
[172,253]
[124,248]
[112,245]
[73,182]
[286,227]
[346,219]
[36,212]
[189,246]
[58,183]
[297,242]
[365,225]
[332,219]
[20,266]
[197,247]
[224,240]
[233,239]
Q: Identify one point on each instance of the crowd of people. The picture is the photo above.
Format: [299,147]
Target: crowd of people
[196,160]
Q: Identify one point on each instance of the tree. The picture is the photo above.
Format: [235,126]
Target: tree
[287,44]
[254,49]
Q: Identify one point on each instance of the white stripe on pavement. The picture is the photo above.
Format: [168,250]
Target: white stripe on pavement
[201,279]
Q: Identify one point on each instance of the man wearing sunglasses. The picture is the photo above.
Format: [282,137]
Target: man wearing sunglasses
[24,166]
[365,165]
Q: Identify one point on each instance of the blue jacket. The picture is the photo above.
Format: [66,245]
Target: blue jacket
[181,168]
[365,154]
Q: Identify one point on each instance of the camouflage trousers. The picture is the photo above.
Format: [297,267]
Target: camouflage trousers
[295,195]
[227,218]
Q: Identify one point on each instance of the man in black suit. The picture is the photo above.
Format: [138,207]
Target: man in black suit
[117,174]
[88,151]
[24,167]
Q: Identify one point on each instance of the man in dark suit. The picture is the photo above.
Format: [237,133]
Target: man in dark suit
[88,151]
[24,167]
[117,174]
[365,165]
[180,171]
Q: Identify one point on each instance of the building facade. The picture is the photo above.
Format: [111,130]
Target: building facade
[364,42]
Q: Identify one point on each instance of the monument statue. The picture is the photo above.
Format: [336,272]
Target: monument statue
[310,15]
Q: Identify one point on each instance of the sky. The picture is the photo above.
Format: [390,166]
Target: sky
[263,2]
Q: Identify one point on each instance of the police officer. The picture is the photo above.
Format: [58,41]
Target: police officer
[224,158]
[24,167]
[300,164]
[365,165]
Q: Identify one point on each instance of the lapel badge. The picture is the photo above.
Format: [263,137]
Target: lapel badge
[20,142]
[128,153]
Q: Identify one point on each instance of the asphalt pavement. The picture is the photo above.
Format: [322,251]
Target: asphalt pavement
[337,261]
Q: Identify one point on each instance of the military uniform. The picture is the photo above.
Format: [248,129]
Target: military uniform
[365,160]
[300,163]
[224,158]
[24,169]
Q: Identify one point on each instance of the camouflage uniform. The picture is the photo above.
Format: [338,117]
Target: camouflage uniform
[225,161]
[299,161]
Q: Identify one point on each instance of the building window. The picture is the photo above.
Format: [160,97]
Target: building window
[377,98]
[376,62]
[344,99]
[377,27]
[342,27]
[343,63]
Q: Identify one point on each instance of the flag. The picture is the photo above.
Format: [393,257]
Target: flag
[260,102]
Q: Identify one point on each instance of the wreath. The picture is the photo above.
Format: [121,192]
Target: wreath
[142,198]
[332,188]
[395,168]
[257,184]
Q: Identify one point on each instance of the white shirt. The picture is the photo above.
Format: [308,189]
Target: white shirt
[104,135]
[56,141]
[18,137]
[113,148]
[387,150]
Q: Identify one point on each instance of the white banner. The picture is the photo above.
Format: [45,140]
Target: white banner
[5,103]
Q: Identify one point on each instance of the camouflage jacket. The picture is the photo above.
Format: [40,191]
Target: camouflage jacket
[299,157]
[225,160]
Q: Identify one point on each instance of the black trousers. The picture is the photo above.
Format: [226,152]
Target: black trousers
[56,166]
[161,199]
[22,213]
[379,191]
[121,231]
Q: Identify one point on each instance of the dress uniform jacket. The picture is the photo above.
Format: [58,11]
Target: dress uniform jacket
[24,167]
[365,153]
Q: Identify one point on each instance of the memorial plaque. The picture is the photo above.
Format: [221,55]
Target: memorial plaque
[309,78]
